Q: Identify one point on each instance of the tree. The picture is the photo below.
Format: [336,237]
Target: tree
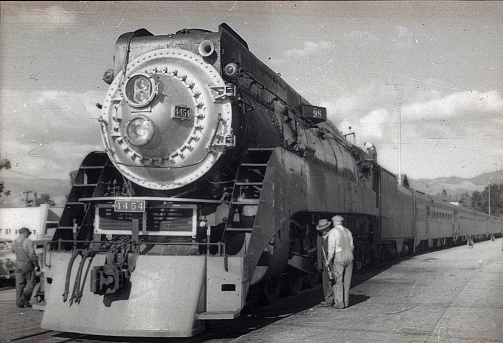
[465,200]
[480,200]
[5,163]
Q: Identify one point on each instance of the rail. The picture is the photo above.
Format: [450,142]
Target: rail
[220,247]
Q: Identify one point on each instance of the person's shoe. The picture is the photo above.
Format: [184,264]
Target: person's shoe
[339,306]
[325,304]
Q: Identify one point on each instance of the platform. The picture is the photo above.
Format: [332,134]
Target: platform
[452,295]
[16,323]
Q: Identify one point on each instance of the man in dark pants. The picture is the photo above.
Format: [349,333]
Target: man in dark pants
[26,267]
[323,229]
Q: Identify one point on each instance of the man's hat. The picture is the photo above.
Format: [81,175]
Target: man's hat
[322,224]
[337,219]
[25,229]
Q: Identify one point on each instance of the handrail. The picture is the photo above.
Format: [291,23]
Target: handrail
[220,246]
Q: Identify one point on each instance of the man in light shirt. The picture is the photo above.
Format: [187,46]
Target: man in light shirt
[26,267]
[340,261]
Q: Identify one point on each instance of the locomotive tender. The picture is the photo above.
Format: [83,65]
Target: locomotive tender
[215,175]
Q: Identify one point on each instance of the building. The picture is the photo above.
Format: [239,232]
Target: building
[41,220]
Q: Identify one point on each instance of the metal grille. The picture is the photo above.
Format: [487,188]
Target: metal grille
[156,220]
[169,219]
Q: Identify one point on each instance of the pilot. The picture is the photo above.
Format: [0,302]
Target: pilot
[371,150]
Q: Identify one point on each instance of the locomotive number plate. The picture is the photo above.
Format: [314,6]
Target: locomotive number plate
[181,112]
[129,206]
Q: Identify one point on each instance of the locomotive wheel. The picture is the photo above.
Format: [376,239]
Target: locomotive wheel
[381,254]
[252,302]
[311,281]
[293,284]
[271,290]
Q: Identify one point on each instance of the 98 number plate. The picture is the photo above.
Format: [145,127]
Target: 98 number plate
[129,206]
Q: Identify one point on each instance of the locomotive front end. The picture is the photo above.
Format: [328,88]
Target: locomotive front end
[167,117]
[140,262]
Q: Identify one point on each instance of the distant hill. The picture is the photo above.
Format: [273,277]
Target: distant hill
[455,186]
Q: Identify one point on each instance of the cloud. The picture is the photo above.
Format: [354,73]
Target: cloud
[402,37]
[374,123]
[460,104]
[362,36]
[46,134]
[50,17]
[458,132]
[53,114]
[310,48]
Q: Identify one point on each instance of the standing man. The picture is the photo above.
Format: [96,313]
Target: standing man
[340,255]
[26,266]
[323,229]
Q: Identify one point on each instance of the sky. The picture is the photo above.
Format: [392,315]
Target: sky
[420,80]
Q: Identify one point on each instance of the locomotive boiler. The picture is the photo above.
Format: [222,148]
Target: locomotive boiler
[214,176]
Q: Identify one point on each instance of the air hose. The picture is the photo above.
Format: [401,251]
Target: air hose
[77,289]
[69,273]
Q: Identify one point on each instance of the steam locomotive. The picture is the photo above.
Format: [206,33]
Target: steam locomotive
[214,176]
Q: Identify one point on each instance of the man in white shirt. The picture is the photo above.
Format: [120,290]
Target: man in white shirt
[340,259]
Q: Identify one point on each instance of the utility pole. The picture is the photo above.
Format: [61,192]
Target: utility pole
[26,201]
[398,89]
[489,197]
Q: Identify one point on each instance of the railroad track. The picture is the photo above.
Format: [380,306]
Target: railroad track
[49,336]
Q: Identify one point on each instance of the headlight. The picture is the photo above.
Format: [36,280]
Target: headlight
[140,90]
[140,131]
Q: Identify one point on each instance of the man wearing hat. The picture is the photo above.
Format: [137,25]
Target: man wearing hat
[323,228]
[26,266]
[340,257]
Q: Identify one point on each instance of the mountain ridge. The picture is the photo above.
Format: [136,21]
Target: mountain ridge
[455,185]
